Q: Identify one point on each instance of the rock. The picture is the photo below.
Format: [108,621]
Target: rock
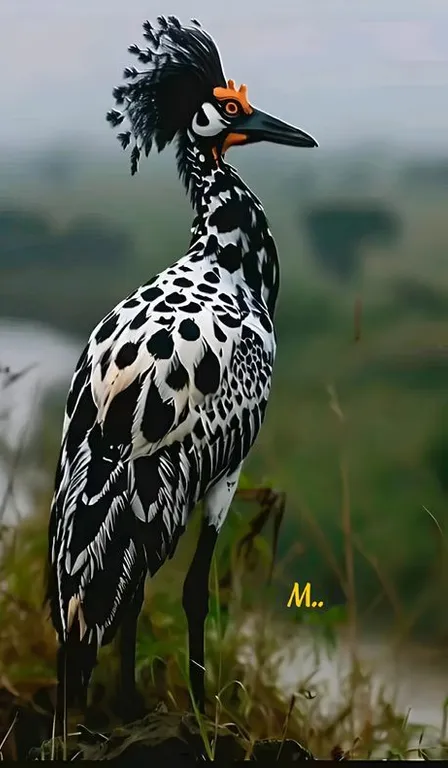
[273,750]
[171,736]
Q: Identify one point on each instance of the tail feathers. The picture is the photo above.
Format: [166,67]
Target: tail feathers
[75,664]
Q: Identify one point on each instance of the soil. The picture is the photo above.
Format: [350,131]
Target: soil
[159,736]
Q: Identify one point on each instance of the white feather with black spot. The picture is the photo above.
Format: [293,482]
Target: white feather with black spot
[169,396]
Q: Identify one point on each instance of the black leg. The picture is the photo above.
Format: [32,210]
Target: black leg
[195,604]
[61,707]
[75,663]
[131,704]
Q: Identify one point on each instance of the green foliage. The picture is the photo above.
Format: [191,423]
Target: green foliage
[392,388]
[326,624]
[28,239]
[426,175]
[88,252]
[87,241]
[245,645]
[437,457]
[25,236]
[338,230]
[392,383]
[416,297]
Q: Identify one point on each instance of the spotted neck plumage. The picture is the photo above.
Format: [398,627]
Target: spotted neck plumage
[231,221]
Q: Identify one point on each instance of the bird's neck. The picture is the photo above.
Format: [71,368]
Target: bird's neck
[230,227]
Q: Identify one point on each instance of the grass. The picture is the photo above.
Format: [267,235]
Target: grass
[250,643]
[371,534]
[246,648]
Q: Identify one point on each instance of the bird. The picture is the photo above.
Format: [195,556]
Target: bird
[170,392]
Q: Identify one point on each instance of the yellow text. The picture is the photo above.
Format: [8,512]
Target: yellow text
[300,597]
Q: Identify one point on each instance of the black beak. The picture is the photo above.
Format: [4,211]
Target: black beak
[259,126]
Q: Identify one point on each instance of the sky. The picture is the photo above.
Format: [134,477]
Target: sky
[344,70]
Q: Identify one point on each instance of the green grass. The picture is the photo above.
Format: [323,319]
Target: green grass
[248,640]
[391,390]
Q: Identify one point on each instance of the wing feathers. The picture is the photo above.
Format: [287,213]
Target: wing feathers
[164,401]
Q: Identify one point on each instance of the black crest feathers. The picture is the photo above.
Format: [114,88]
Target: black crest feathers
[183,66]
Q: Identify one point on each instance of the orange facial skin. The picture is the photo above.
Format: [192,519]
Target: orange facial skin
[232,139]
[240,95]
[232,95]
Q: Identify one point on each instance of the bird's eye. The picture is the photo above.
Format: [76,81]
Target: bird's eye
[232,107]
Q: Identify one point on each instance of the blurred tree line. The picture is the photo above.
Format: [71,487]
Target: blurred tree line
[331,223]
[48,272]
[29,238]
[337,232]
[31,244]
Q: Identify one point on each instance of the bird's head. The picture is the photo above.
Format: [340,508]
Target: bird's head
[229,118]
[182,90]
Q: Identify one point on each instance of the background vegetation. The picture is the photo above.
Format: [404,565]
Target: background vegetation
[356,432]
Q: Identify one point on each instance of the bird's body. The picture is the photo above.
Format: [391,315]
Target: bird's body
[170,393]
[165,403]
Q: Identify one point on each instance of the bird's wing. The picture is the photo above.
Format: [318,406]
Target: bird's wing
[152,367]
[95,560]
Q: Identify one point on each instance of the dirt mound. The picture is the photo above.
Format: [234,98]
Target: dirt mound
[165,735]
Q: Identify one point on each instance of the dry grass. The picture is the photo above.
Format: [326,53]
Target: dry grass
[249,645]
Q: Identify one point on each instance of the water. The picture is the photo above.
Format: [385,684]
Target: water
[414,678]
[418,677]
[47,359]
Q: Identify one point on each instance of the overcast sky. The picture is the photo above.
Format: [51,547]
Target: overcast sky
[343,69]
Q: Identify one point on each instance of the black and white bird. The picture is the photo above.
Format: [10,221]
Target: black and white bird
[171,390]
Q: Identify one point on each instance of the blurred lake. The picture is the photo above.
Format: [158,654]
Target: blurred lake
[414,678]
[47,359]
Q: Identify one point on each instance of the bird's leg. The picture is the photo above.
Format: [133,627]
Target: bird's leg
[61,704]
[75,663]
[195,604]
[131,704]
[196,590]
